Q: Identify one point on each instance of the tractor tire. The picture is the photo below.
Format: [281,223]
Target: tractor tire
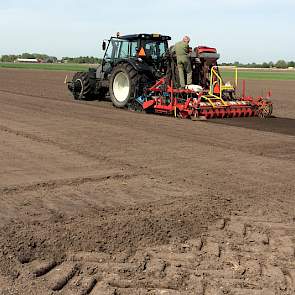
[123,82]
[101,93]
[82,88]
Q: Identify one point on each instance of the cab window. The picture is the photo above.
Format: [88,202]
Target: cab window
[124,50]
[155,49]
[133,48]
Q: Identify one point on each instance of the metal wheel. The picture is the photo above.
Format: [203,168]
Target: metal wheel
[265,110]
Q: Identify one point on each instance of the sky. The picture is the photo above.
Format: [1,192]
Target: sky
[244,31]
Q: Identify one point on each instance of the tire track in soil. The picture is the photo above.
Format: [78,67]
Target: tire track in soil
[106,232]
[93,103]
[99,104]
[61,146]
[53,184]
[237,255]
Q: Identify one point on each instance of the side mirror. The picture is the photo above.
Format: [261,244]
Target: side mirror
[104,45]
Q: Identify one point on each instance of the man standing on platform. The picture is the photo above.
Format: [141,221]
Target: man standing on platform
[183,61]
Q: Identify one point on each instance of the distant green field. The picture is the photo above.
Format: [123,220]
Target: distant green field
[228,74]
[260,75]
[53,67]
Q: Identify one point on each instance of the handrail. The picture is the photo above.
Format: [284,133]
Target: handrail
[214,73]
[212,83]
[222,87]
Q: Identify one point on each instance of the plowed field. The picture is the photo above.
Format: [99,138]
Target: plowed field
[97,200]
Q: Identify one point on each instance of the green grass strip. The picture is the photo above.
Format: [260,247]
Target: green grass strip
[52,67]
[260,75]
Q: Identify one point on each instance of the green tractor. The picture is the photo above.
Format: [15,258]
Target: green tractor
[129,65]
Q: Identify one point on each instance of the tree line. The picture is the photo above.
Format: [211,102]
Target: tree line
[280,64]
[40,56]
[50,59]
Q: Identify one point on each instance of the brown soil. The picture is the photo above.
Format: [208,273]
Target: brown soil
[96,200]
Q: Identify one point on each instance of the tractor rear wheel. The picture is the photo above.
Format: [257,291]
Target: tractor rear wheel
[82,88]
[123,82]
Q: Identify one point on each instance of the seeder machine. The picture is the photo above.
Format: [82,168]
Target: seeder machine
[209,98]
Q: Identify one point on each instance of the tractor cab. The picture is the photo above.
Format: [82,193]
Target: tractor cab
[144,48]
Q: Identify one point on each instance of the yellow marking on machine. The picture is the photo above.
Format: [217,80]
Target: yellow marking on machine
[214,100]
[212,97]
[219,81]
